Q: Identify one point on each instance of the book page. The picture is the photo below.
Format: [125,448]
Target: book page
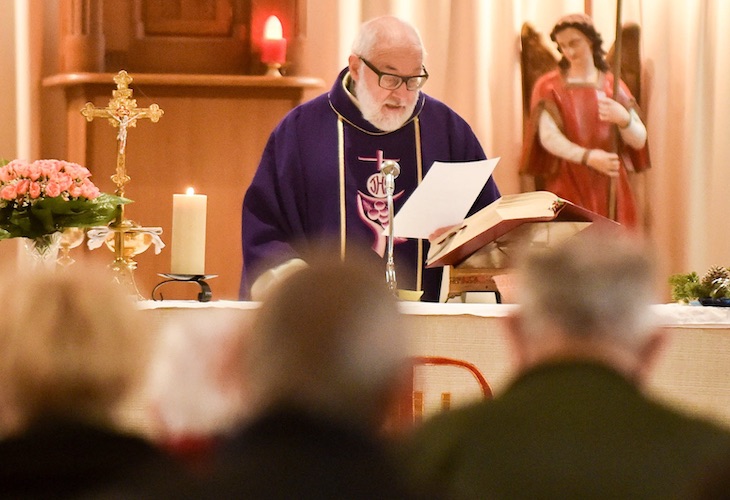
[527,205]
[443,199]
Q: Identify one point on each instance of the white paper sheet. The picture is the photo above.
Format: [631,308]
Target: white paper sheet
[446,194]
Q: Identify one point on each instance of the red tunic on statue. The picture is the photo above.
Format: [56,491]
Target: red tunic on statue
[574,107]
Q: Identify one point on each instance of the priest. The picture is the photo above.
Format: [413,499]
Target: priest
[319,178]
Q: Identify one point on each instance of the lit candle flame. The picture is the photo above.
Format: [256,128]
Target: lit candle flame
[273,29]
[189,191]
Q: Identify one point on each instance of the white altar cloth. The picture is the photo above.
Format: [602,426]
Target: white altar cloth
[692,373]
[670,315]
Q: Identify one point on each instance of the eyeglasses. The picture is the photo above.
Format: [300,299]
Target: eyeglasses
[390,81]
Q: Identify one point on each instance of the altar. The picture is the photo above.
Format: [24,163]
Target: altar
[693,372]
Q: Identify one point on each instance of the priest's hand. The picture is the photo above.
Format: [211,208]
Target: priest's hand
[437,233]
[273,277]
[604,162]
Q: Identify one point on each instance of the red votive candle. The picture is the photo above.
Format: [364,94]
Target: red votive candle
[273,45]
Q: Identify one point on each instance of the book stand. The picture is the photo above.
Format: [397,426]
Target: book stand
[484,245]
[463,280]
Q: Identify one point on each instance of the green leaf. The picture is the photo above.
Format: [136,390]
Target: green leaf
[49,215]
[684,287]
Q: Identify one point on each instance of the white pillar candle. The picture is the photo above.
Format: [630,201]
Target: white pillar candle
[188,233]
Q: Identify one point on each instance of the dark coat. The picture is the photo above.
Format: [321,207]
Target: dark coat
[567,430]
[288,454]
[63,459]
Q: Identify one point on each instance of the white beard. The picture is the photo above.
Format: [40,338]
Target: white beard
[377,114]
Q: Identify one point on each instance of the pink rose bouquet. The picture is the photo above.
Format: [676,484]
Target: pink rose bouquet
[46,196]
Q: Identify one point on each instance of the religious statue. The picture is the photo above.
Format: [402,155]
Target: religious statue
[584,135]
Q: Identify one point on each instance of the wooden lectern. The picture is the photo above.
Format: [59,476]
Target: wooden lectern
[484,245]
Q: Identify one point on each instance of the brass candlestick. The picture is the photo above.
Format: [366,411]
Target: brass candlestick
[124,237]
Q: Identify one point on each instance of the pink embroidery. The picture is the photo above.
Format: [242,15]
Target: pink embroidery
[373,208]
[373,211]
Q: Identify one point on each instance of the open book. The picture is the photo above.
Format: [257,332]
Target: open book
[499,218]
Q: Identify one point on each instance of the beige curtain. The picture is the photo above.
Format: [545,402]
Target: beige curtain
[473,57]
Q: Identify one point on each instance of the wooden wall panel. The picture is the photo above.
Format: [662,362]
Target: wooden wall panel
[186,17]
[175,36]
[189,36]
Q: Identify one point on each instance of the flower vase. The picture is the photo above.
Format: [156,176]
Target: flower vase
[42,252]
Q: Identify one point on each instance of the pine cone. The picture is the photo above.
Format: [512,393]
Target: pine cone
[715,273]
[717,281]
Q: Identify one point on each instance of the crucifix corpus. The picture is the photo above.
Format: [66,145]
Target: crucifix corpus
[124,237]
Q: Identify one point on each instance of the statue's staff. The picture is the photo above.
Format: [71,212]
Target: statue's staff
[616,86]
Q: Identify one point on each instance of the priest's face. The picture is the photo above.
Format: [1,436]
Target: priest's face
[387,109]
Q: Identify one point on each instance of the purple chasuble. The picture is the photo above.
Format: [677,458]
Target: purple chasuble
[295,198]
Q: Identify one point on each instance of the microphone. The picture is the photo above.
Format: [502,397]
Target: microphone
[390,170]
[390,167]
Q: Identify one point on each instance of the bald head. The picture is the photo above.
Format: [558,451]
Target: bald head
[386,33]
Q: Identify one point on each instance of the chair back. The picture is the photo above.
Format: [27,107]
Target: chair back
[439,383]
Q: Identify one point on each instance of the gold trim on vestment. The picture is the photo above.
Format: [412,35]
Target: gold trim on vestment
[343,210]
[419,170]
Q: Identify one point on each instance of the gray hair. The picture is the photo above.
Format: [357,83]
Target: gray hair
[386,32]
[328,339]
[72,344]
[598,283]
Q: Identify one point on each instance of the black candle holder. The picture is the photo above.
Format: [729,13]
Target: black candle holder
[205,294]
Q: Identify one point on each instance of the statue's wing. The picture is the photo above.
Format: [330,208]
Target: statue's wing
[630,58]
[536,60]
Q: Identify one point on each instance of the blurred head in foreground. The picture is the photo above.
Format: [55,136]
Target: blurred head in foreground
[589,297]
[329,341]
[190,390]
[71,347]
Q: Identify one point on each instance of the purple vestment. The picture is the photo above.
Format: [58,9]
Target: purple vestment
[295,198]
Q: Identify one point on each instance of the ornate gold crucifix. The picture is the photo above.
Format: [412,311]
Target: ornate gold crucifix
[123,113]
[128,239]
